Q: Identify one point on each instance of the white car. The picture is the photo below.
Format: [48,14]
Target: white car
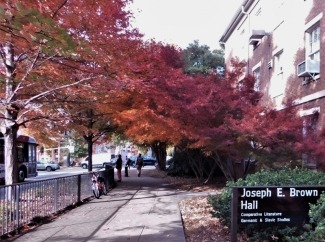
[47,166]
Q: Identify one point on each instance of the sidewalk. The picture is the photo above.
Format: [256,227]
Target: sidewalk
[139,209]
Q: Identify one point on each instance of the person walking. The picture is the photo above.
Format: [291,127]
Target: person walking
[126,167]
[139,164]
[119,168]
[128,162]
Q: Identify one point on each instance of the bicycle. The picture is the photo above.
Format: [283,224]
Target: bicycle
[98,185]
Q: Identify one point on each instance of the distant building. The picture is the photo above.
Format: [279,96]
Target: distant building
[282,42]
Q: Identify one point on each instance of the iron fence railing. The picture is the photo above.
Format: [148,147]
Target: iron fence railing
[21,203]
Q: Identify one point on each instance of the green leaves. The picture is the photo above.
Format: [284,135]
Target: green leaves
[315,230]
[2,13]
[200,60]
[31,26]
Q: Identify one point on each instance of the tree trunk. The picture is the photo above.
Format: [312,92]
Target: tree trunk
[226,167]
[90,152]
[89,138]
[11,113]
[11,169]
[159,148]
[195,157]
[194,167]
[211,173]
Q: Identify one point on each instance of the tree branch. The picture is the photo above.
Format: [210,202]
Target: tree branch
[61,6]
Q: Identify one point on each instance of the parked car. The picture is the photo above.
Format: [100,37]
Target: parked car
[147,161]
[47,166]
[169,160]
[133,160]
[98,160]
[112,162]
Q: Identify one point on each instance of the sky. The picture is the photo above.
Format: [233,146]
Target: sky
[181,22]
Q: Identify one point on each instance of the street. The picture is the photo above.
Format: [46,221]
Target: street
[68,171]
[64,171]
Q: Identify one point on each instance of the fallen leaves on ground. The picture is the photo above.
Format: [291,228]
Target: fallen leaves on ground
[187,183]
[199,225]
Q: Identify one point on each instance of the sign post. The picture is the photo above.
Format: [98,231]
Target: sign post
[234,214]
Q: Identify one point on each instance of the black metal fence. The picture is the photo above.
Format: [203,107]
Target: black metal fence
[21,203]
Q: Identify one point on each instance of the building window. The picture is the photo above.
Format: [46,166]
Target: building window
[309,68]
[309,128]
[278,82]
[277,100]
[256,73]
[310,124]
[279,65]
[314,44]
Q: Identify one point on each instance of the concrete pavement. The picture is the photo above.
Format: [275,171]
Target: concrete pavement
[141,209]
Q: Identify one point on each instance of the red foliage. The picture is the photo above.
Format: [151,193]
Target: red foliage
[64,51]
[222,116]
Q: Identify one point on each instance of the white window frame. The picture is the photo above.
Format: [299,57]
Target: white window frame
[256,70]
[257,74]
[312,42]
[312,30]
[278,101]
[307,114]
[278,77]
[278,59]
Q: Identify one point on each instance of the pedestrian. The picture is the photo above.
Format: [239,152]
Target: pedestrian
[126,167]
[128,162]
[119,168]
[139,164]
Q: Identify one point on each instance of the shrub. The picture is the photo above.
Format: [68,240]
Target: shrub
[179,166]
[283,177]
[315,231]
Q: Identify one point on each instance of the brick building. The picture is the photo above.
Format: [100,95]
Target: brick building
[282,42]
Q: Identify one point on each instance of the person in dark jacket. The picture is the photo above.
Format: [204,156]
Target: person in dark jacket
[128,162]
[139,164]
[119,168]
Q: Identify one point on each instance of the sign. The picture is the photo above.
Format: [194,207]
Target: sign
[273,204]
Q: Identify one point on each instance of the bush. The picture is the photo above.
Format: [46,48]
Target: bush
[315,231]
[179,166]
[282,177]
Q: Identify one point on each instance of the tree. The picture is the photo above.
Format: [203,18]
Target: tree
[92,122]
[231,125]
[200,60]
[221,116]
[145,105]
[50,47]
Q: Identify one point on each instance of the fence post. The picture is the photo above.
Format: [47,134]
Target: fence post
[17,194]
[79,188]
[56,192]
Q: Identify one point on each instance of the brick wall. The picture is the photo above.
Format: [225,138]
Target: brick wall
[286,30]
